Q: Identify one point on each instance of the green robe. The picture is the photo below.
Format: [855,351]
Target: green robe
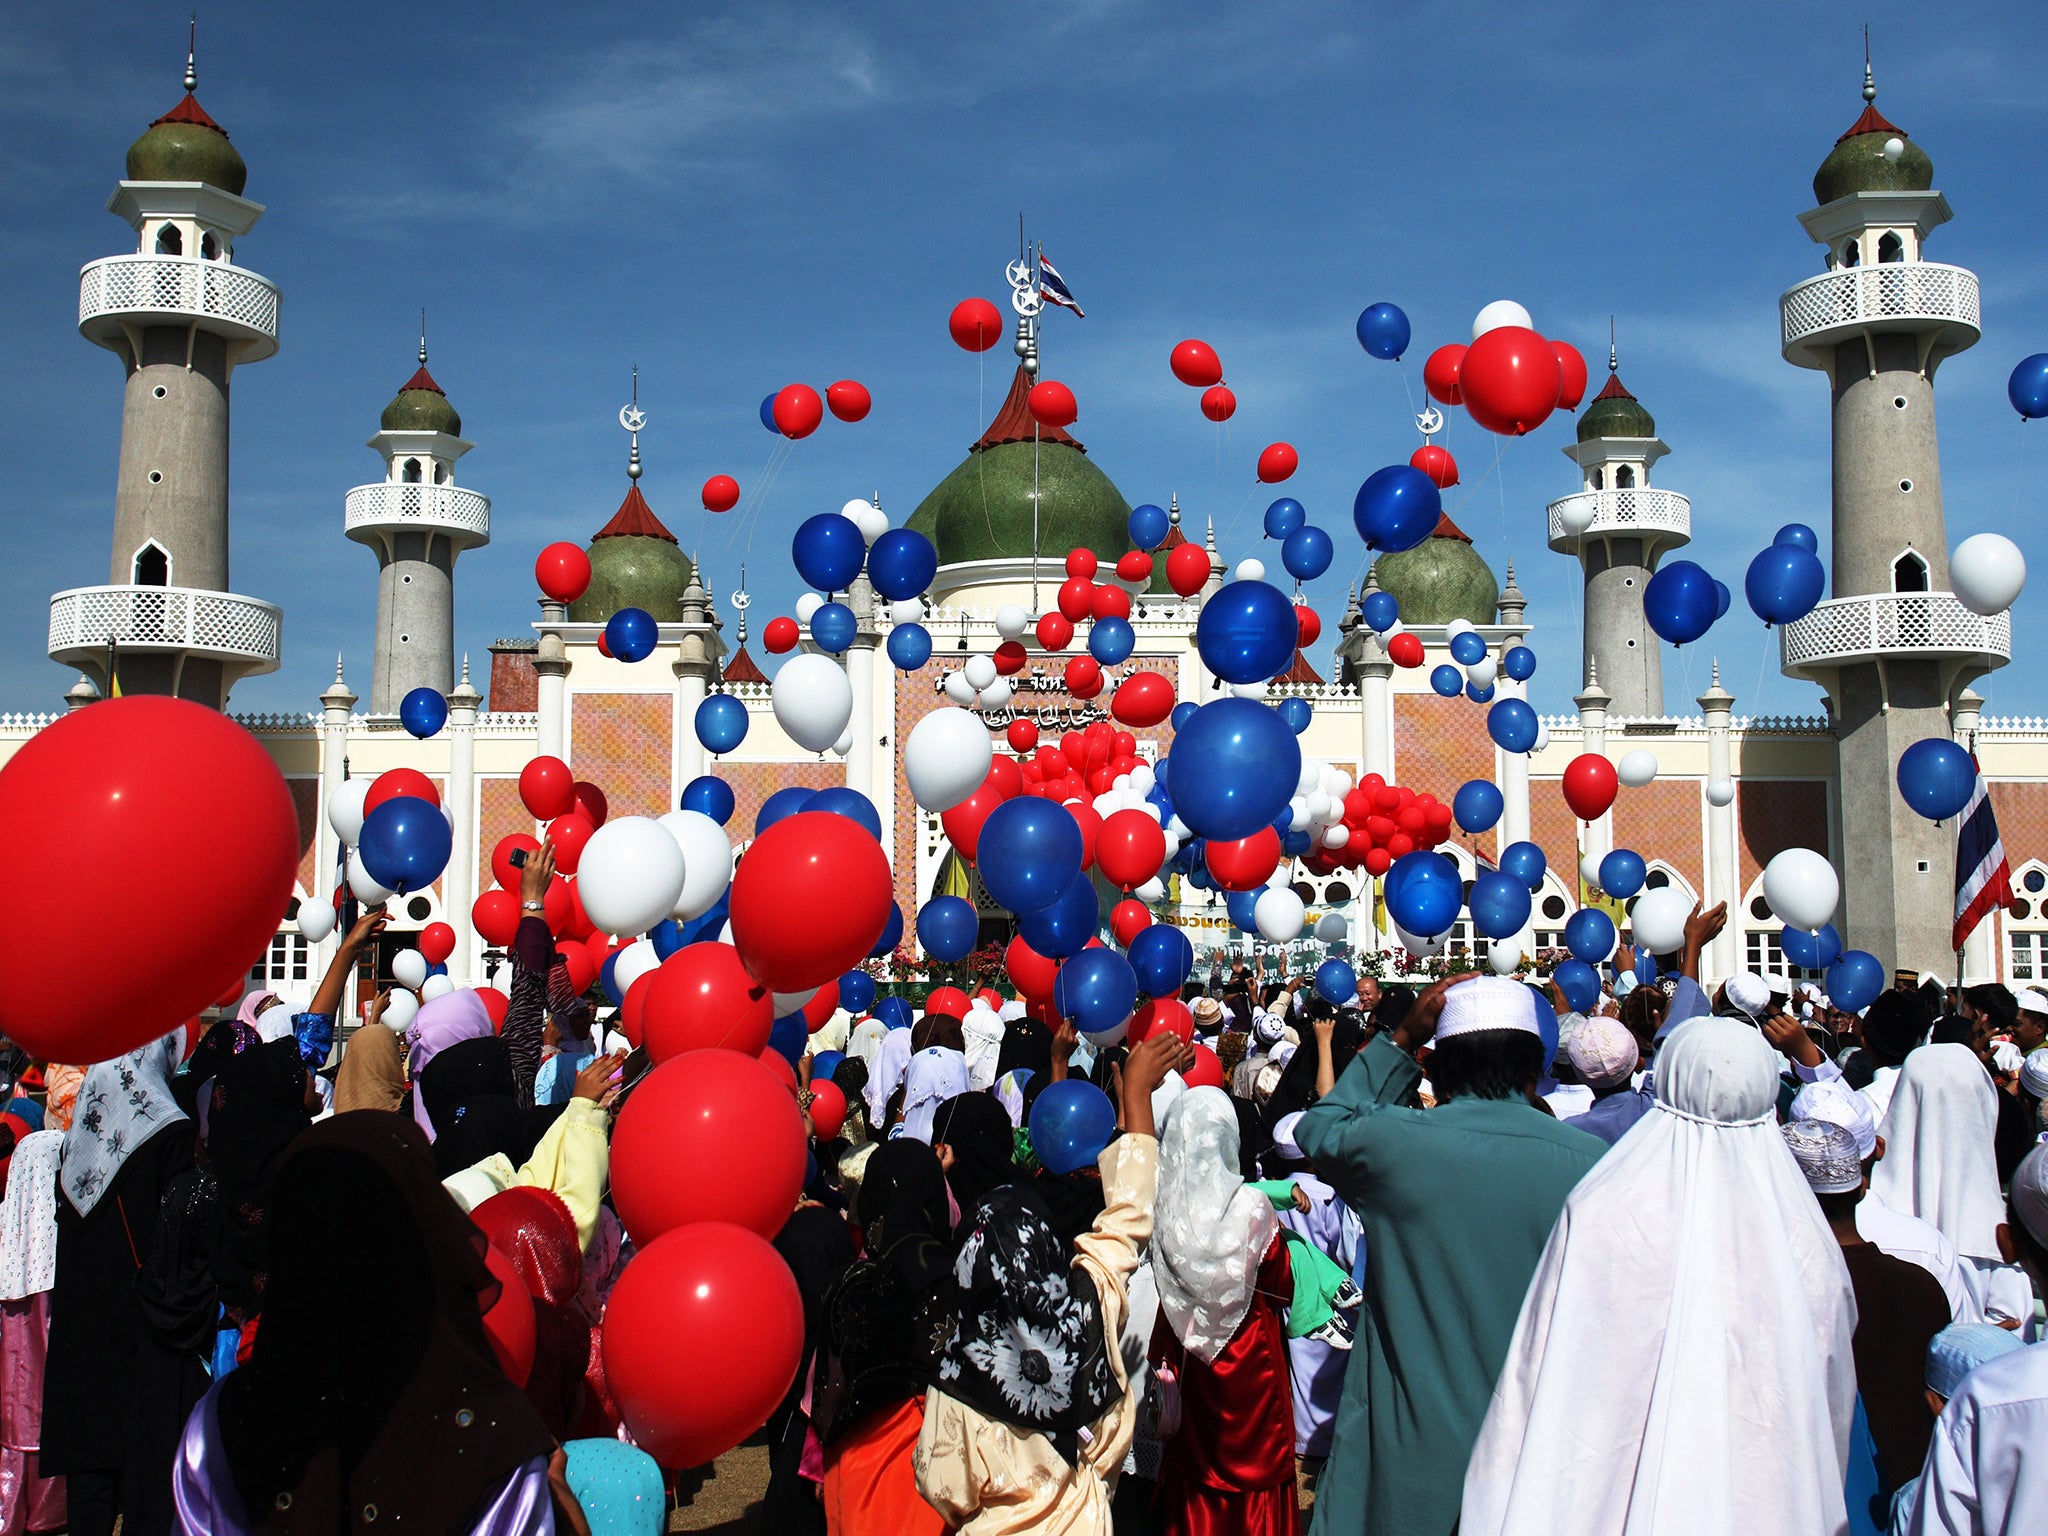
[1456,1204]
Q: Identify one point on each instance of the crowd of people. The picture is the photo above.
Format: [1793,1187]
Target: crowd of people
[1435,1258]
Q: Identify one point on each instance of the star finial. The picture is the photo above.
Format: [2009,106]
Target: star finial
[632,418]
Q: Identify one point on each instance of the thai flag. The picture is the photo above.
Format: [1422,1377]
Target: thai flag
[1983,879]
[1053,288]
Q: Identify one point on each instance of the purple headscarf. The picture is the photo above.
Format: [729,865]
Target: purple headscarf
[448,1020]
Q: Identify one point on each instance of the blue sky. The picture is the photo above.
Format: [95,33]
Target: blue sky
[735,197]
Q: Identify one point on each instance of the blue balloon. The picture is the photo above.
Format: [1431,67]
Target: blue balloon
[1397,508]
[1519,663]
[1097,990]
[1284,516]
[840,800]
[1065,927]
[1479,695]
[1579,983]
[1476,806]
[721,722]
[1029,853]
[1499,903]
[2027,389]
[666,936]
[829,550]
[1812,951]
[1589,935]
[1679,602]
[1447,680]
[892,935]
[947,927]
[1296,712]
[824,1064]
[1723,600]
[1242,906]
[405,843]
[1783,583]
[1183,712]
[1307,553]
[1149,526]
[768,412]
[1111,639]
[1236,765]
[1295,844]
[631,633]
[902,563]
[707,926]
[1423,893]
[710,795]
[607,978]
[910,646]
[1383,331]
[423,712]
[1468,647]
[1799,536]
[856,992]
[896,1012]
[784,802]
[1546,1023]
[1071,1122]
[1337,983]
[1854,980]
[1512,724]
[1380,610]
[438,968]
[1247,631]
[1621,873]
[788,1036]
[1163,959]
[833,627]
[1936,776]
[1525,861]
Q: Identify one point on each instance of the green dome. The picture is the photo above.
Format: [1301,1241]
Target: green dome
[1857,164]
[187,145]
[421,410]
[982,511]
[1615,412]
[1441,579]
[634,572]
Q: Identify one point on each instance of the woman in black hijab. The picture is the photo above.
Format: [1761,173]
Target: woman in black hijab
[971,1132]
[470,1095]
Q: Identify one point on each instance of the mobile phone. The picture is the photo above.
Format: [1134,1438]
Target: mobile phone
[517,858]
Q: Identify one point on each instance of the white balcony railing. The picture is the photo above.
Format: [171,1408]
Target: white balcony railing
[1646,512]
[179,620]
[1898,624]
[462,514]
[117,292]
[1906,295]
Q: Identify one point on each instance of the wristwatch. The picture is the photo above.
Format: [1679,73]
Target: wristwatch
[533,906]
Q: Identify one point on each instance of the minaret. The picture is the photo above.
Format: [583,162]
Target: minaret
[1619,526]
[180,315]
[1892,647]
[418,520]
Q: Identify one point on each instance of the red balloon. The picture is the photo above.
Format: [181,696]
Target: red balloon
[828,1108]
[400,783]
[1130,848]
[1084,677]
[562,572]
[1010,658]
[1187,569]
[950,1001]
[778,1064]
[1055,631]
[963,822]
[508,1323]
[496,1004]
[1436,463]
[437,942]
[702,1337]
[1278,462]
[1510,380]
[1207,1072]
[1167,1013]
[1142,699]
[137,783]
[823,1004]
[547,789]
[797,411]
[1023,735]
[1090,822]
[1005,777]
[557,905]
[1032,972]
[703,999]
[577,924]
[721,493]
[1134,566]
[1573,368]
[1218,403]
[780,634]
[976,324]
[1405,650]
[1082,562]
[591,803]
[502,868]
[809,899]
[1130,917]
[633,1009]
[1589,785]
[569,833]
[1308,628]
[1243,864]
[1378,861]
[1196,364]
[604,645]
[687,1114]
[1052,404]
[1440,374]
[1109,603]
[582,968]
[1076,598]
[848,400]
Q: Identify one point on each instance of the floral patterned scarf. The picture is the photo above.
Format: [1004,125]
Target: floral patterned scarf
[121,1104]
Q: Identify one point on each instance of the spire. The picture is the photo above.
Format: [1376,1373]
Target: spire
[192,53]
[423,335]
[464,694]
[1869,80]
[632,418]
[1872,120]
[1613,357]
[1716,698]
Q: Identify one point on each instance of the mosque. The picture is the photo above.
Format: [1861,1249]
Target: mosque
[1893,653]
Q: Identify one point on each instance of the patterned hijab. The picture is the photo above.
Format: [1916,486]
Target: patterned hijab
[28,1217]
[121,1105]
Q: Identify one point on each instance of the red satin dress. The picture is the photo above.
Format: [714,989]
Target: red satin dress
[1230,1469]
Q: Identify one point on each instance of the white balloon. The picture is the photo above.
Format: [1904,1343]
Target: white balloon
[1658,919]
[1172,842]
[1151,892]
[409,968]
[906,610]
[1894,149]
[631,875]
[399,1011]
[707,861]
[1986,572]
[1499,313]
[1482,672]
[1502,956]
[635,961]
[844,744]
[1331,927]
[1542,737]
[1278,914]
[1802,888]
[854,508]
[981,671]
[1456,628]
[435,986]
[1297,815]
[946,758]
[345,809]
[1419,946]
[1143,780]
[958,689]
[365,890]
[1720,792]
[316,920]
[1576,513]
[1012,621]
[997,694]
[1179,828]
[1337,784]
[1636,768]
[1248,690]
[1393,629]
[813,701]
[1251,570]
[1589,871]
[807,606]
[1311,775]
[873,521]
[1102,1039]
[1336,836]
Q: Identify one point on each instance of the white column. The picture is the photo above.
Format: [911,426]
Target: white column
[1723,956]
[1375,709]
[860,757]
[336,704]
[552,666]
[1598,835]
[1514,780]
[457,885]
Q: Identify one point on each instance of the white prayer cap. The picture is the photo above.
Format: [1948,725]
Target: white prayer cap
[2034,1073]
[1838,1104]
[2033,1001]
[1267,1027]
[1283,1135]
[1013,1009]
[1826,1154]
[2030,1193]
[1625,983]
[2006,1057]
[1487,1002]
[1748,992]
[1961,1347]
[1603,1053]
[1779,983]
[1281,1054]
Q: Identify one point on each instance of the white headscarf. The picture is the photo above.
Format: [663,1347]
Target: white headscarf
[885,1075]
[1209,1232]
[1939,1162]
[28,1217]
[121,1104]
[983,1031]
[935,1075]
[1725,1403]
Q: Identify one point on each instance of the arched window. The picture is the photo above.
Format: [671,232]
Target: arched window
[410,474]
[2026,926]
[1890,247]
[169,242]
[1850,254]
[440,474]
[152,566]
[209,247]
[1624,477]
[1909,573]
[1599,479]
